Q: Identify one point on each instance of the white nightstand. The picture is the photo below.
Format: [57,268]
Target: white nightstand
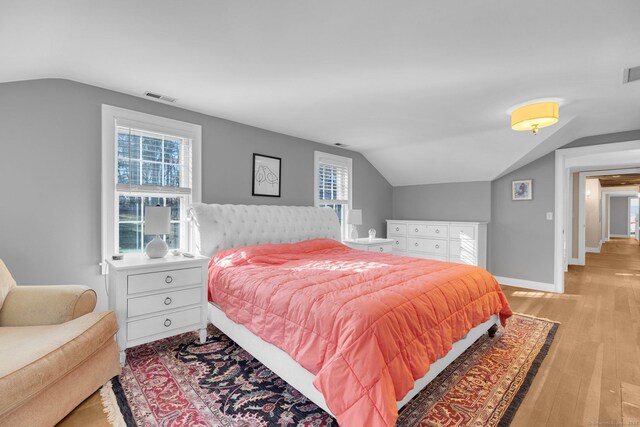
[374,245]
[157,298]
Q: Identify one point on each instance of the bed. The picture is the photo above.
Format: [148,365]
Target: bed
[267,268]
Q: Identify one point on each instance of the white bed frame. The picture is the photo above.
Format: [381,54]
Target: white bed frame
[225,226]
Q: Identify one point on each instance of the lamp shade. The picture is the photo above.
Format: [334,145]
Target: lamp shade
[157,219]
[534,116]
[354,217]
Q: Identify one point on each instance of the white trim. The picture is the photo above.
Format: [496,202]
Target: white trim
[625,236]
[574,261]
[115,115]
[582,216]
[528,284]
[607,201]
[582,176]
[338,160]
[593,250]
[574,159]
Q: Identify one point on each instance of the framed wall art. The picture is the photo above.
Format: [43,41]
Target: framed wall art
[522,189]
[266,175]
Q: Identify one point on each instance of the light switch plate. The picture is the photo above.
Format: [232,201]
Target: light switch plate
[549,216]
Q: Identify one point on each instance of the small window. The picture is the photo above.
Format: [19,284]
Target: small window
[333,185]
[147,161]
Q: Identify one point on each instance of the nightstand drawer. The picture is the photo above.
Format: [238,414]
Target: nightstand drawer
[163,280]
[380,248]
[433,246]
[396,229]
[399,243]
[162,323]
[163,301]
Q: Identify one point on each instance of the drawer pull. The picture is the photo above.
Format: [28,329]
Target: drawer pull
[397,228]
[437,231]
[381,249]
[397,243]
[416,244]
[167,322]
[437,246]
[167,301]
[416,230]
[168,279]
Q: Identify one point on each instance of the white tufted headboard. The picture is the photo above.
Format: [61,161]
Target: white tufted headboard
[221,227]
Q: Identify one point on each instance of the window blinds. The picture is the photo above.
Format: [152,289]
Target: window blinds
[149,162]
[333,181]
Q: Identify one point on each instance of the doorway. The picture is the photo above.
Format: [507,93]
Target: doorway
[622,155]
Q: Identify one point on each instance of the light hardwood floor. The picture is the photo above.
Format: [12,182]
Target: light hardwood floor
[591,376]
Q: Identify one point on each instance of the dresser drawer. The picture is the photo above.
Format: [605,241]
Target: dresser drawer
[163,323]
[159,280]
[396,229]
[463,232]
[163,301]
[399,243]
[463,261]
[424,255]
[434,246]
[429,230]
[380,248]
[463,248]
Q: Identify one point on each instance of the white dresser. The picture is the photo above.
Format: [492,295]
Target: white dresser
[462,242]
[157,298]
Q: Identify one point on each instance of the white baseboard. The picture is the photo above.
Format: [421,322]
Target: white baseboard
[594,250]
[574,261]
[619,235]
[528,284]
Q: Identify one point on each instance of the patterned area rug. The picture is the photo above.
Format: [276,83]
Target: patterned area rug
[176,381]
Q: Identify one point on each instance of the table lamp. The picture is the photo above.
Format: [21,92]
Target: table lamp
[354,217]
[156,221]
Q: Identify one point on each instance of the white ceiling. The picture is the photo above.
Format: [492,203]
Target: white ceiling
[421,88]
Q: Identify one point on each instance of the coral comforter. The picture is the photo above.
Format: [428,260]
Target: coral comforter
[365,324]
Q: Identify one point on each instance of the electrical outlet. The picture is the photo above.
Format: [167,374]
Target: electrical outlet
[549,216]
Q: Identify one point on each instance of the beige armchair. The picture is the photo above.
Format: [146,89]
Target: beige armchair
[54,351]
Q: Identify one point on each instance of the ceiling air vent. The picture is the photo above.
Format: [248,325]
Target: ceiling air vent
[631,74]
[160,97]
[341,145]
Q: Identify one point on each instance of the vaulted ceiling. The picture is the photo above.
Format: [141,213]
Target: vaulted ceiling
[420,87]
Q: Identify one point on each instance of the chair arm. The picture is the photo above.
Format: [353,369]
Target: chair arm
[46,305]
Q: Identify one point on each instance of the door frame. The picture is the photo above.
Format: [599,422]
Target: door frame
[582,215]
[569,160]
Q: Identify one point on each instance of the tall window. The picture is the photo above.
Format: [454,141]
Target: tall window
[333,185]
[147,161]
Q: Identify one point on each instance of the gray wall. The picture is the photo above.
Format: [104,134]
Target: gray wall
[619,216]
[50,174]
[465,201]
[521,240]
[520,237]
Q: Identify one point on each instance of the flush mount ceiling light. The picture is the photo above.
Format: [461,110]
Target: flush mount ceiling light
[532,117]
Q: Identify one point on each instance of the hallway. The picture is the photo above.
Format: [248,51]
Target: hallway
[591,375]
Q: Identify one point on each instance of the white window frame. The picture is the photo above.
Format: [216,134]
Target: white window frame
[338,160]
[116,116]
